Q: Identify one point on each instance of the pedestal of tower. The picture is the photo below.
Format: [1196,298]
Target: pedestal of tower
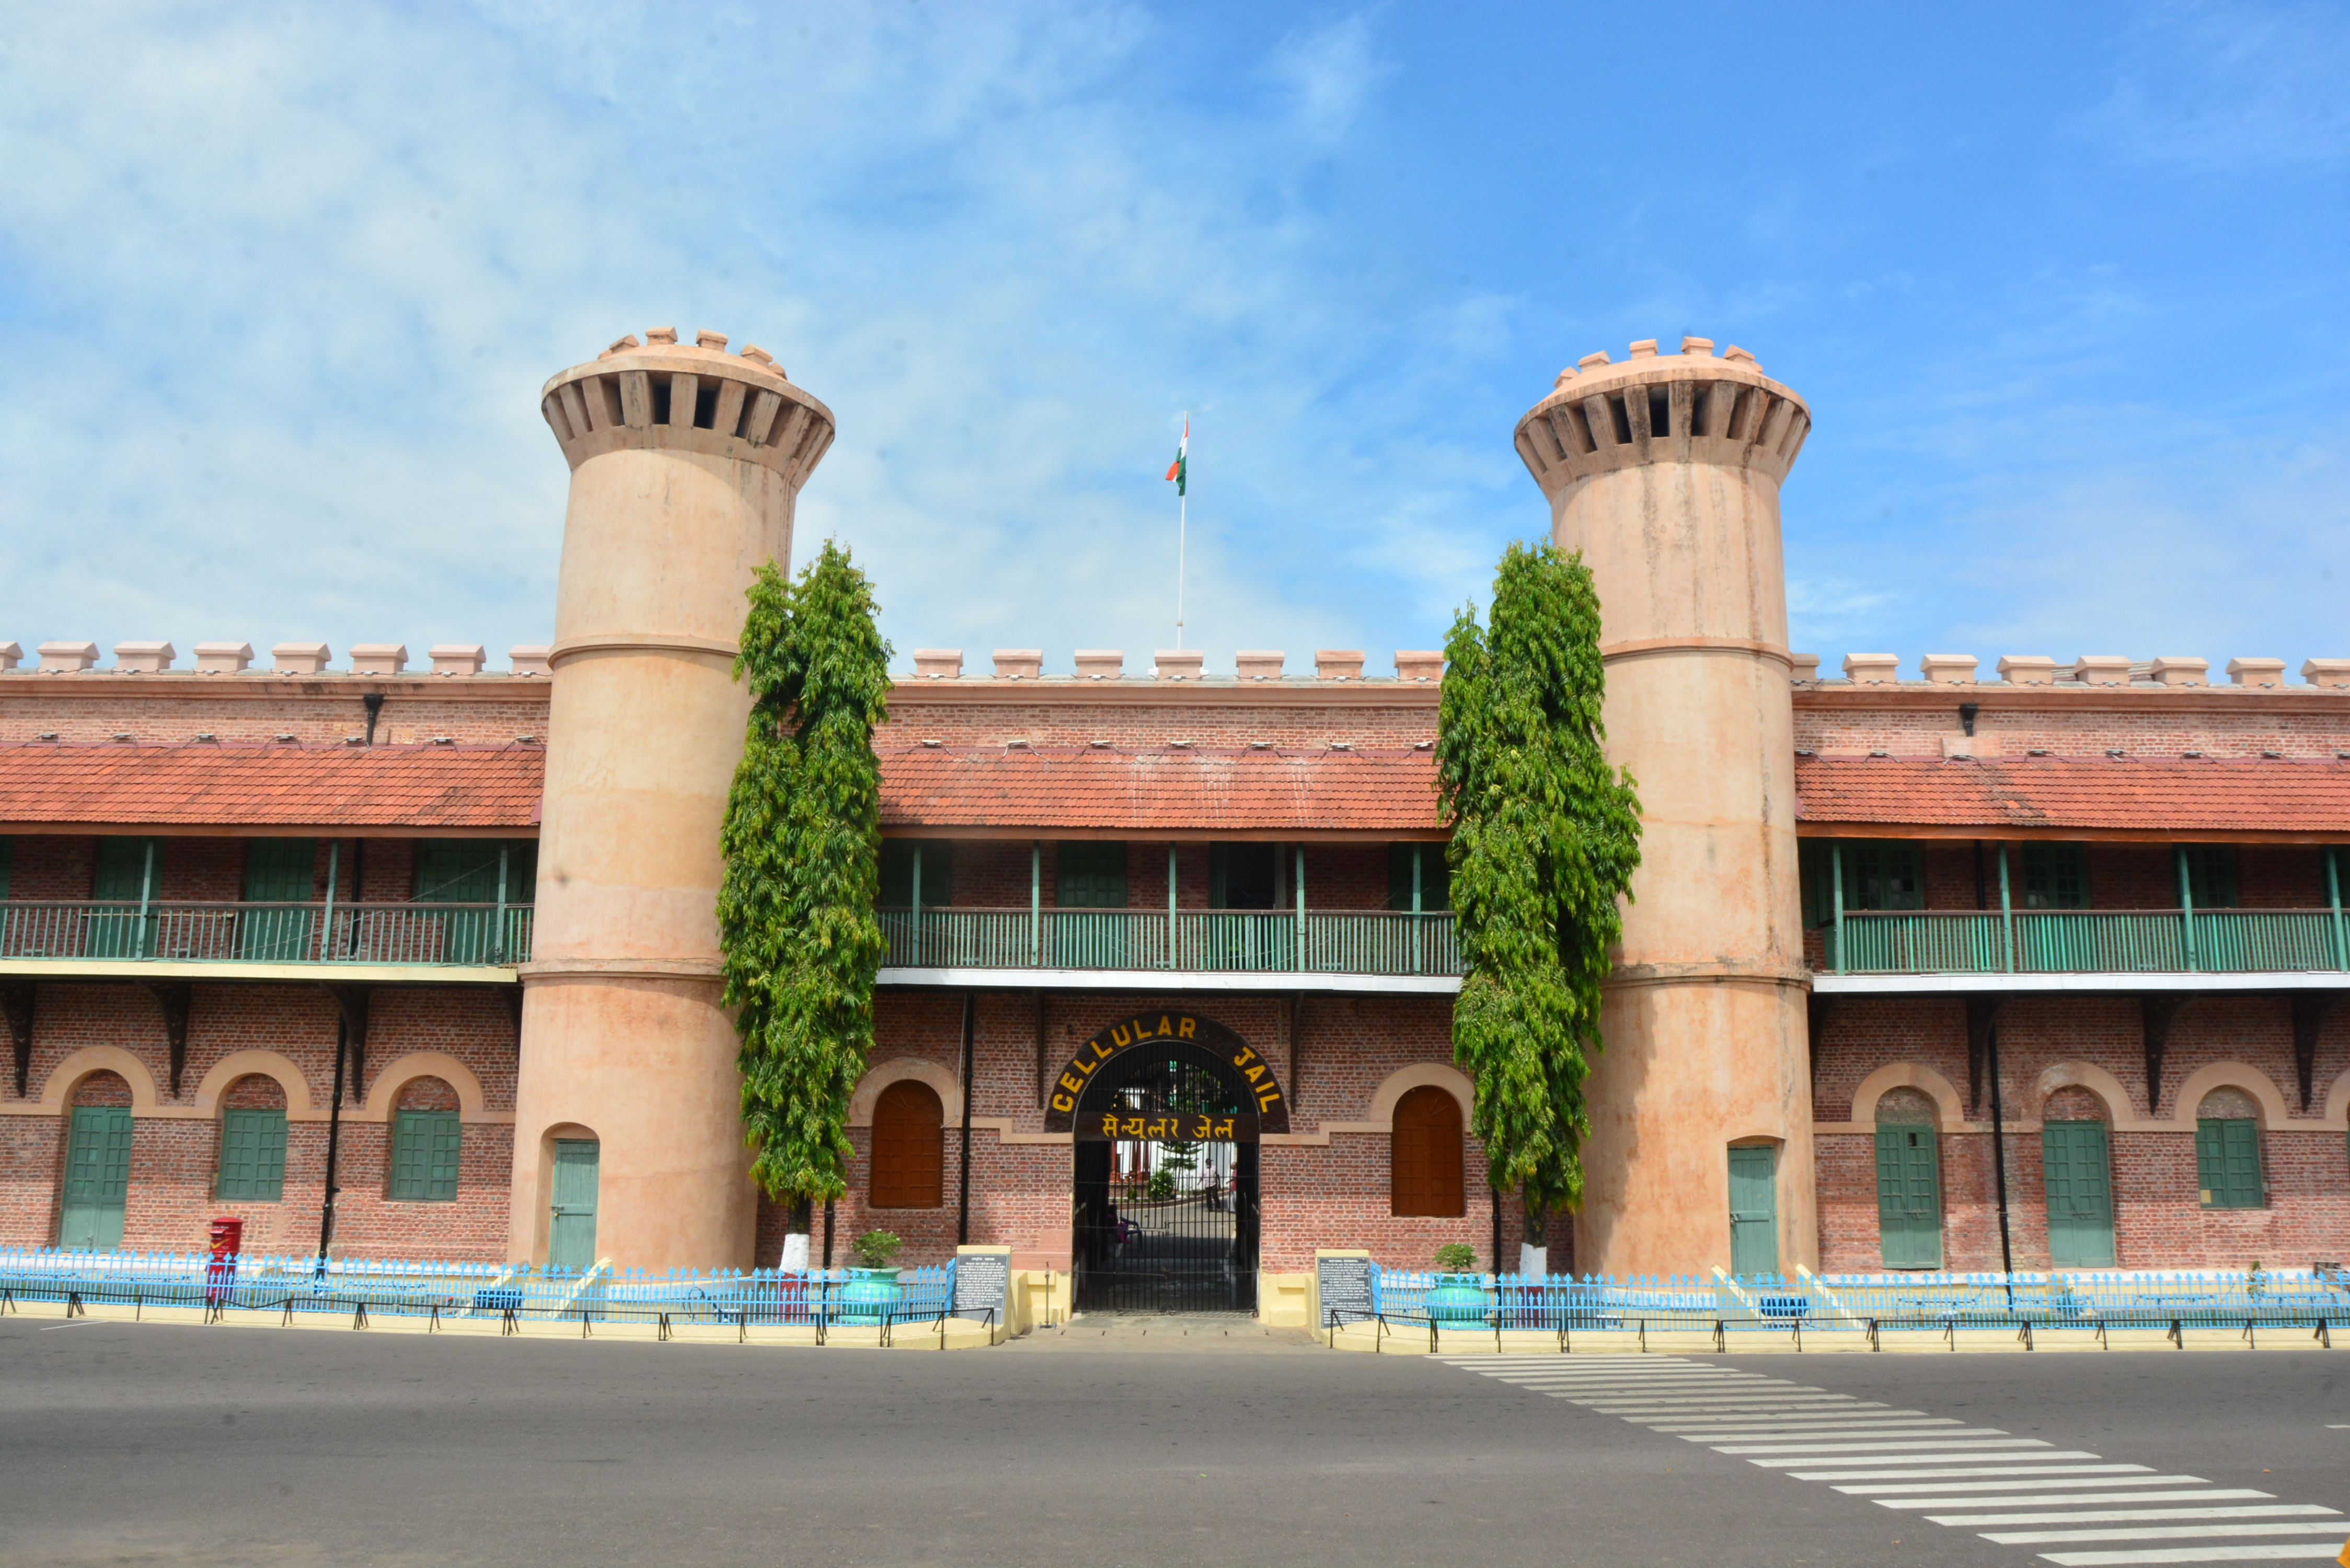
[686,464]
[1664,472]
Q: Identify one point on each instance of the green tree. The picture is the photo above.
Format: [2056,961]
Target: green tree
[802,843]
[1545,836]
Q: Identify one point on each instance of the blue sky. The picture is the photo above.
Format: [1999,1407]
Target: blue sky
[2064,284]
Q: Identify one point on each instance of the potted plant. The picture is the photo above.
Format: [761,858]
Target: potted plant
[872,1288]
[1459,1294]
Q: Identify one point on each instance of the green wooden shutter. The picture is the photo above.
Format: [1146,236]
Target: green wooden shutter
[2078,1174]
[2056,876]
[424,1154]
[2211,875]
[97,1178]
[1909,1198]
[252,1156]
[1092,874]
[120,877]
[2228,1162]
[277,871]
[1754,1211]
[7,860]
[571,1233]
[1812,863]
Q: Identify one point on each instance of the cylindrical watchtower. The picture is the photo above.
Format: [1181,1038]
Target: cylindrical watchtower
[1665,471]
[686,464]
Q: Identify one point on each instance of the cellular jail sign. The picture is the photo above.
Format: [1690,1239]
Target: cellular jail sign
[1086,1099]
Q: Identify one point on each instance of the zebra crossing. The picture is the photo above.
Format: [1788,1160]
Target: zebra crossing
[2074,1508]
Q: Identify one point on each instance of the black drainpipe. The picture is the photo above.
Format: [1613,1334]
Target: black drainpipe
[962,1218]
[334,1138]
[374,700]
[1999,1165]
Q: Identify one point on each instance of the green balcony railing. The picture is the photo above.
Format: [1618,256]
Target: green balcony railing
[2084,941]
[1322,941]
[324,933]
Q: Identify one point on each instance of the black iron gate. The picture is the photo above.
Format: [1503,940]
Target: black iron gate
[1166,1208]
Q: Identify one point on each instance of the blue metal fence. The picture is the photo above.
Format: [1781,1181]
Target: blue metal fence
[1873,1305]
[446,1292]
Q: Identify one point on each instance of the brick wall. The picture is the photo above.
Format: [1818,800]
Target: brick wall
[173,1159]
[2142,721]
[2159,1220]
[1311,1196]
[98,705]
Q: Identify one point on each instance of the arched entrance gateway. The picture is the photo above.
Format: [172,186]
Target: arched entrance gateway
[1166,1108]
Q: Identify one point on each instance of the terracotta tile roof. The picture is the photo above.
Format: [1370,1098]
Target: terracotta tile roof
[2131,794]
[209,785]
[1175,790]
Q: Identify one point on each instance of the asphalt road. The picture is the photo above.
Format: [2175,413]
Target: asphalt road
[140,1444]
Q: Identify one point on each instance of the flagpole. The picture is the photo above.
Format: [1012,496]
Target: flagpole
[1182,528]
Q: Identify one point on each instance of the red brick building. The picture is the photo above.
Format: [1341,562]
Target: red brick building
[1166,1003]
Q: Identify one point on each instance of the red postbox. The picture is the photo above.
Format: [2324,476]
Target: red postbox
[220,1270]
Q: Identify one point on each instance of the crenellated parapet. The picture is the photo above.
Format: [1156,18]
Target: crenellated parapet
[692,396]
[1690,407]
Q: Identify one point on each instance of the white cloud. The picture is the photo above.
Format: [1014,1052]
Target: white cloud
[2221,87]
[1329,72]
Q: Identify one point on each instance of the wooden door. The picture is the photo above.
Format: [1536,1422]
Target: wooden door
[1754,1211]
[97,1178]
[571,1234]
[1909,1198]
[2075,1167]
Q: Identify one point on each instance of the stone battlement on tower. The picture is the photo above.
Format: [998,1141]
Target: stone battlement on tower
[693,397]
[1690,407]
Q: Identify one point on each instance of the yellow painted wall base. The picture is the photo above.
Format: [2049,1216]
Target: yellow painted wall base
[1414,1339]
[1286,1300]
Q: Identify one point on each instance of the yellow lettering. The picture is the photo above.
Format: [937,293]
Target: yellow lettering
[1109,1124]
[1224,1127]
[1255,1074]
[1245,1058]
[1133,1127]
[1268,1098]
[1184,1026]
[1073,1083]
[1120,1037]
[1064,1103]
[1164,1028]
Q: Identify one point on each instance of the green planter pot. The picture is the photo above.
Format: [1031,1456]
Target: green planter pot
[1458,1299]
[869,1294]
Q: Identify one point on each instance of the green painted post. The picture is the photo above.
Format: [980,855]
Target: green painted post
[2006,912]
[1416,851]
[498,939]
[917,958]
[1300,880]
[2186,908]
[2333,896]
[1037,903]
[146,893]
[1170,903]
[334,866]
[1835,880]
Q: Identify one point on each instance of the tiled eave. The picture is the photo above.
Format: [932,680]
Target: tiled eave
[233,789]
[2122,799]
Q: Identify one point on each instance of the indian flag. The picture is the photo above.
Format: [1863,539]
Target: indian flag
[1180,471]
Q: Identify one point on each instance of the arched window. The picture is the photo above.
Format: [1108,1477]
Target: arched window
[2227,1149]
[909,1148]
[251,1141]
[1424,1155]
[427,1141]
